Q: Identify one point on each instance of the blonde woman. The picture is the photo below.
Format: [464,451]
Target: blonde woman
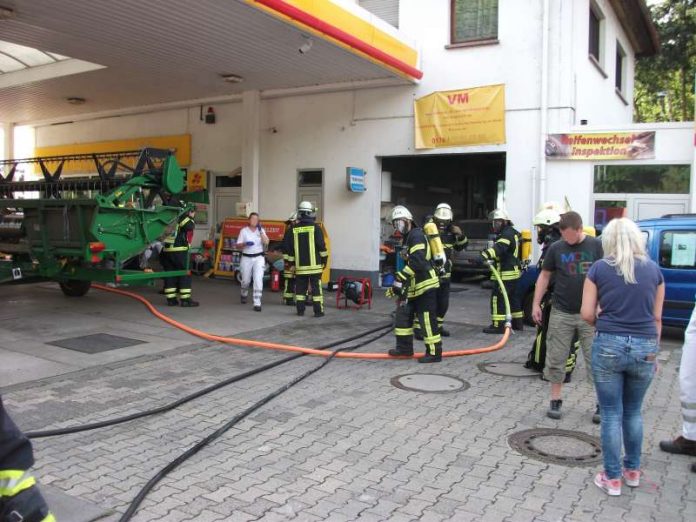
[622,298]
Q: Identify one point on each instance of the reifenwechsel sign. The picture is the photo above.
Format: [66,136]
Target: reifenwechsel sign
[473,116]
[601,146]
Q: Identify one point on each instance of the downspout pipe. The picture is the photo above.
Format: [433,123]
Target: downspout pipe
[544,112]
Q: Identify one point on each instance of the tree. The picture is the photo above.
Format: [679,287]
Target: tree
[664,87]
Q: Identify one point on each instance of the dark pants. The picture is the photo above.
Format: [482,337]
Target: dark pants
[174,286]
[289,289]
[302,282]
[424,308]
[498,303]
[16,457]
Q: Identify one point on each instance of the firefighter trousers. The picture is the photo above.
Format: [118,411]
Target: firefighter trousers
[20,498]
[498,303]
[423,307]
[302,283]
[176,286]
[443,295]
[289,289]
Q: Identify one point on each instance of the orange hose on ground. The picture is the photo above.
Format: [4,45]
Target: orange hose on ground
[290,347]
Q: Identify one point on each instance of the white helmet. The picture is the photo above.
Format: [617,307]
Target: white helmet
[547,217]
[400,212]
[305,208]
[499,213]
[443,212]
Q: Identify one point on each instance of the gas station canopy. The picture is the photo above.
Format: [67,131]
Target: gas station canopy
[132,53]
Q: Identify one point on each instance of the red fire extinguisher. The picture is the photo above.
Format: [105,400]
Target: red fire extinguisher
[275,281]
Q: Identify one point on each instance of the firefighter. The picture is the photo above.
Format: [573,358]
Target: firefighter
[416,288]
[20,498]
[452,239]
[505,252]
[174,257]
[546,222]
[307,255]
[288,269]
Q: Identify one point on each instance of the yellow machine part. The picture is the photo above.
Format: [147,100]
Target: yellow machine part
[526,251]
[437,250]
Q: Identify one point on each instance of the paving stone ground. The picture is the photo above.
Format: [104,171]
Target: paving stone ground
[344,444]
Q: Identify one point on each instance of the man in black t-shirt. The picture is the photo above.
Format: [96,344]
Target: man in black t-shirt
[568,261]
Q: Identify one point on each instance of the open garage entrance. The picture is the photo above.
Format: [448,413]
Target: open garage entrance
[473,184]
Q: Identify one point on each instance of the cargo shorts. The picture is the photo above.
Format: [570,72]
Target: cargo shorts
[562,328]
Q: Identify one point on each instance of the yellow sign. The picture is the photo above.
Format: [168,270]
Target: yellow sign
[601,146]
[196,180]
[464,117]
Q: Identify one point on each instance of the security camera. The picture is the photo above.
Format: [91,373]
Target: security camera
[306,46]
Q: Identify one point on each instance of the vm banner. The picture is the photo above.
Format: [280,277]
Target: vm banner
[464,117]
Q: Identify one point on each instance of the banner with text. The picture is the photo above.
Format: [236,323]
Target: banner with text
[473,116]
[601,146]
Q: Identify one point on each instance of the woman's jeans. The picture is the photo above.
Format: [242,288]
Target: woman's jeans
[623,367]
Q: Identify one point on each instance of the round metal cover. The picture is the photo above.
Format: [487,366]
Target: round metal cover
[429,383]
[567,448]
[507,369]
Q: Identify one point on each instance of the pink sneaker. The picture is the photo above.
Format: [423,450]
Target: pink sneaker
[611,487]
[632,477]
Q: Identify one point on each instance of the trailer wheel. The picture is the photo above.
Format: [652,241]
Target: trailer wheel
[74,287]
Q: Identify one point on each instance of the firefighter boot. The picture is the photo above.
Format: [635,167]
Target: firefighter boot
[28,505]
[432,357]
[518,324]
[172,302]
[493,329]
[189,303]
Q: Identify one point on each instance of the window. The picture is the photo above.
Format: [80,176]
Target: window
[620,72]
[387,10]
[642,179]
[595,47]
[678,249]
[474,21]
[310,178]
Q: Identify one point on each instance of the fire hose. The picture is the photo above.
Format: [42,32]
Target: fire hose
[314,351]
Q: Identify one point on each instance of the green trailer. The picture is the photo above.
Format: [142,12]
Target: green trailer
[79,229]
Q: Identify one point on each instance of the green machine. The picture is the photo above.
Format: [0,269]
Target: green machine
[75,229]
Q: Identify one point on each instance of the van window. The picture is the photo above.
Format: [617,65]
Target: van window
[678,249]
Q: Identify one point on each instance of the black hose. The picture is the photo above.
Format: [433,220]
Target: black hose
[187,398]
[135,503]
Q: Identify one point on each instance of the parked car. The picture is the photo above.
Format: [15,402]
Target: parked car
[469,260]
[671,243]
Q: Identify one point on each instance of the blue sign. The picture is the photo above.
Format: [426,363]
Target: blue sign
[356,179]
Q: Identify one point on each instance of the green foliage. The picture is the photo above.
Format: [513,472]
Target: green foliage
[664,88]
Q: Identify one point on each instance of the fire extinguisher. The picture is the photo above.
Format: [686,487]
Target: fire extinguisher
[275,281]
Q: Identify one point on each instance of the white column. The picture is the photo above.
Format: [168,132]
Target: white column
[8,141]
[251,117]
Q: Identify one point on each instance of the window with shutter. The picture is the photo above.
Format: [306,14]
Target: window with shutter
[387,10]
[474,20]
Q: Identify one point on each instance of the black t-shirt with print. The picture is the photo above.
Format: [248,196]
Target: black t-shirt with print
[570,264]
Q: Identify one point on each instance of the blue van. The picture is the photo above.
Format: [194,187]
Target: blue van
[671,243]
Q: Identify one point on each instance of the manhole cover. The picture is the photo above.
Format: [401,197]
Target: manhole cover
[429,383]
[95,343]
[567,448]
[507,369]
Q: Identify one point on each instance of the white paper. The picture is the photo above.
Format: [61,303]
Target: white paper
[683,249]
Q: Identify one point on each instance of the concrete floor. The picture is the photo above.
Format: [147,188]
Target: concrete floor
[343,445]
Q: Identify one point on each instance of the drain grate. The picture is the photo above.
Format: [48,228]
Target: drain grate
[95,343]
[507,369]
[567,448]
[429,383]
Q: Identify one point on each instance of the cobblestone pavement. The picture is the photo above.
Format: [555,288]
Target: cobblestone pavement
[344,444]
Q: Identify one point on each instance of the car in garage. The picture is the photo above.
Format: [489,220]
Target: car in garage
[671,243]
[469,260]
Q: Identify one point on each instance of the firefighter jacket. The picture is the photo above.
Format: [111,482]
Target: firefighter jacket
[305,248]
[451,242]
[180,239]
[418,275]
[506,253]
[288,269]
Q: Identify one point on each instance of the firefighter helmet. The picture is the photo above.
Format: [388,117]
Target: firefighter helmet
[547,217]
[400,212]
[306,209]
[443,213]
[499,213]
